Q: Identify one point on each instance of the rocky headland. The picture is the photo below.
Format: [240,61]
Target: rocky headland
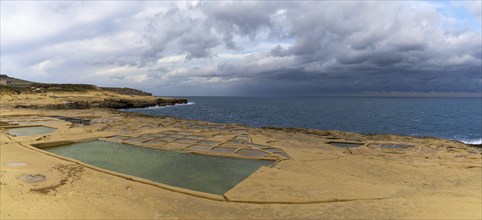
[17,93]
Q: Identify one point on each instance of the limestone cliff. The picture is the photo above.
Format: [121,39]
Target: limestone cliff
[19,93]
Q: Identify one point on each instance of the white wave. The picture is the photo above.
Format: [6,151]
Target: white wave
[189,103]
[152,107]
[167,106]
[457,138]
[471,141]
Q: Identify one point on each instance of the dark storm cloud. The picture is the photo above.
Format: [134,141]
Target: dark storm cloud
[354,47]
[255,48]
[246,19]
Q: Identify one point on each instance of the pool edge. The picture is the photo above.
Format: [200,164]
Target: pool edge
[199,194]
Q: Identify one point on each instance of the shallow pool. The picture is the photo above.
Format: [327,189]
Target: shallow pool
[344,144]
[204,173]
[30,131]
[395,146]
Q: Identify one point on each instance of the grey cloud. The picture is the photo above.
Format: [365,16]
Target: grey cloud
[338,46]
[118,77]
[242,19]
[314,47]
[278,51]
[220,23]
[198,44]
[189,34]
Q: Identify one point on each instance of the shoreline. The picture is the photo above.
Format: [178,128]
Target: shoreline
[129,110]
[319,114]
[384,176]
[287,129]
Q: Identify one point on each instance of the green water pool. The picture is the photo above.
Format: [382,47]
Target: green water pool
[210,174]
[30,131]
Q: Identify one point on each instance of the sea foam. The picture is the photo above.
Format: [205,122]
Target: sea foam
[166,106]
[471,141]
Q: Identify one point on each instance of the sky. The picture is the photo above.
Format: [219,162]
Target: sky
[248,48]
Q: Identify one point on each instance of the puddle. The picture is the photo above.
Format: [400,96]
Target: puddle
[345,144]
[211,174]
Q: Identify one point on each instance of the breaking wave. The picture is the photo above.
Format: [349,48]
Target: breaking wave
[160,106]
[471,141]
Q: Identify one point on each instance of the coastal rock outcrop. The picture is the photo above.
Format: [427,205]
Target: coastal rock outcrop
[19,93]
[105,103]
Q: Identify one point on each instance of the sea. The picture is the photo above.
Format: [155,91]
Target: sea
[449,118]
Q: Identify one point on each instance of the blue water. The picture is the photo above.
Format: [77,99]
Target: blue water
[450,118]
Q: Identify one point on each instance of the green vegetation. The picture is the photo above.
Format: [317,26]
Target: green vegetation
[41,87]
[8,89]
[126,91]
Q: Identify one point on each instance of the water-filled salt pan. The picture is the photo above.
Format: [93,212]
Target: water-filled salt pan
[212,174]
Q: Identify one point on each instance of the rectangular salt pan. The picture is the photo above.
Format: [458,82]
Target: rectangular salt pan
[30,131]
[186,141]
[395,146]
[224,149]
[252,153]
[200,148]
[211,174]
[197,137]
[209,143]
[345,144]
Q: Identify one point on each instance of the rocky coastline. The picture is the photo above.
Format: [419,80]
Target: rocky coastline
[16,93]
[113,103]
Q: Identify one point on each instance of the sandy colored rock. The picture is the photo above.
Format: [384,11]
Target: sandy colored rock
[83,100]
